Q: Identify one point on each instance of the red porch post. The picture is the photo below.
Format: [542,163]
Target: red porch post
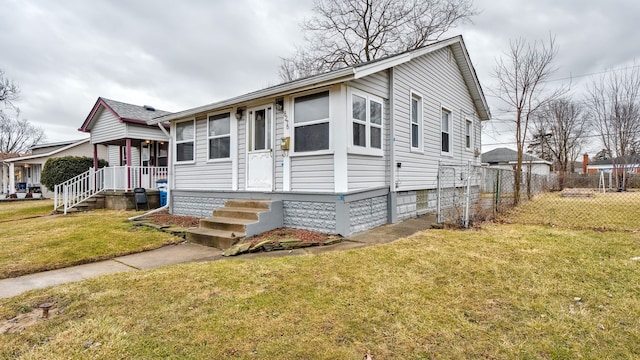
[95,157]
[128,167]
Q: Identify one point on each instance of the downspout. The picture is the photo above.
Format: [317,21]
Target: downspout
[166,206]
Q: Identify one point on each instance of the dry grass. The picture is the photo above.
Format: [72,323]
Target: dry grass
[608,211]
[16,210]
[506,291]
[46,243]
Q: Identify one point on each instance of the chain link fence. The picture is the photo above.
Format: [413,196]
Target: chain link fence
[468,193]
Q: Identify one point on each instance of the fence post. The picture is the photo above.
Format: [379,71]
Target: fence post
[467,196]
[496,195]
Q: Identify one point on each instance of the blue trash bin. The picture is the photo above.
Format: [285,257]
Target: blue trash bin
[162,188]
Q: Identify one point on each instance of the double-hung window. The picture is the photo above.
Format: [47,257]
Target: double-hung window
[416,122]
[366,120]
[185,141]
[446,132]
[468,134]
[219,135]
[311,122]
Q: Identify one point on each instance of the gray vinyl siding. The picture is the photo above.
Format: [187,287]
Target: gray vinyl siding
[107,127]
[145,132]
[312,173]
[279,169]
[437,78]
[372,171]
[203,174]
[375,84]
[114,155]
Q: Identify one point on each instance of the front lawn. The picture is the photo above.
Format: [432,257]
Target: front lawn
[46,243]
[505,292]
[15,210]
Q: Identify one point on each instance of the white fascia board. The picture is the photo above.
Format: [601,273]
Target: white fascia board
[331,78]
[377,66]
[30,157]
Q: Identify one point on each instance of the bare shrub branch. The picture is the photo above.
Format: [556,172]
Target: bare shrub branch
[347,32]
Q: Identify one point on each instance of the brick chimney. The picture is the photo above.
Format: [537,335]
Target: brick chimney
[585,162]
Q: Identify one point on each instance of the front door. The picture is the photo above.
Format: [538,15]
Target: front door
[260,149]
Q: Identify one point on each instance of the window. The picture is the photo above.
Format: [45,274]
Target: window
[446,131]
[416,122]
[185,136]
[311,122]
[468,134]
[366,120]
[162,153]
[219,135]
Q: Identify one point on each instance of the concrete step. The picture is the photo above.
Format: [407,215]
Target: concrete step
[238,212]
[254,204]
[225,223]
[220,239]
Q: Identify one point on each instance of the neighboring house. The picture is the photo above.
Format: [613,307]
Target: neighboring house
[505,158]
[630,163]
[26,170]
[135,149]
[342,151]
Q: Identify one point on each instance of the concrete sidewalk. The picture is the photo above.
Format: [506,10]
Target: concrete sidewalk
[168,255]
[187,252]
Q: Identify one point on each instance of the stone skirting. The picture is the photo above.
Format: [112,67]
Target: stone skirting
[342,214]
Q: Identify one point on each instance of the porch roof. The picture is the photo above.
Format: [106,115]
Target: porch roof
[352,73]
[123,112]
[47,154]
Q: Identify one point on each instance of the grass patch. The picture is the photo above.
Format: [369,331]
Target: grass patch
[505,291]
[34,245]
[16,210]
[608,211]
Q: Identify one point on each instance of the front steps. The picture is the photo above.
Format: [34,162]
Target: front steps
[92,203]
[235,221]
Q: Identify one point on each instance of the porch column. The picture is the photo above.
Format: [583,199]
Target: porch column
[95,156]
[128,150]
[12,179]
[4,179]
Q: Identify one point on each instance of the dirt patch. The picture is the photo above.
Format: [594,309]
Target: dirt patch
[163,218]
[289,233]
[20,323]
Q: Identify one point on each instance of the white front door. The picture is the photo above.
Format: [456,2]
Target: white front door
[260,149]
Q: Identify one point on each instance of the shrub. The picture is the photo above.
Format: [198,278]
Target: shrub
[59,170]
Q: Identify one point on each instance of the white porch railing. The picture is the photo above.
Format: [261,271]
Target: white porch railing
[125,178]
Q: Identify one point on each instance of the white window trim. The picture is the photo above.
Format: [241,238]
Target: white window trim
[420,148]
[292,148]
[471,134]
[367,149]
[450,152]
[176,142]
[231,142]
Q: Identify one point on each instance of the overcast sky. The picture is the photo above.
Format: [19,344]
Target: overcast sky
[175,55]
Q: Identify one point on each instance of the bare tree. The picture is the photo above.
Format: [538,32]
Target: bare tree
[614,101]
[564,124]
[18,135]
[9,90]
[522,77]
[348,32]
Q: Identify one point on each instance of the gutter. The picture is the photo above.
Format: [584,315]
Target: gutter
[150,212]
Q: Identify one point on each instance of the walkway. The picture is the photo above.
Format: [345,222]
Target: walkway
[187,252]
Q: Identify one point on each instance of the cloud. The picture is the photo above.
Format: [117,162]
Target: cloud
[180,54]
